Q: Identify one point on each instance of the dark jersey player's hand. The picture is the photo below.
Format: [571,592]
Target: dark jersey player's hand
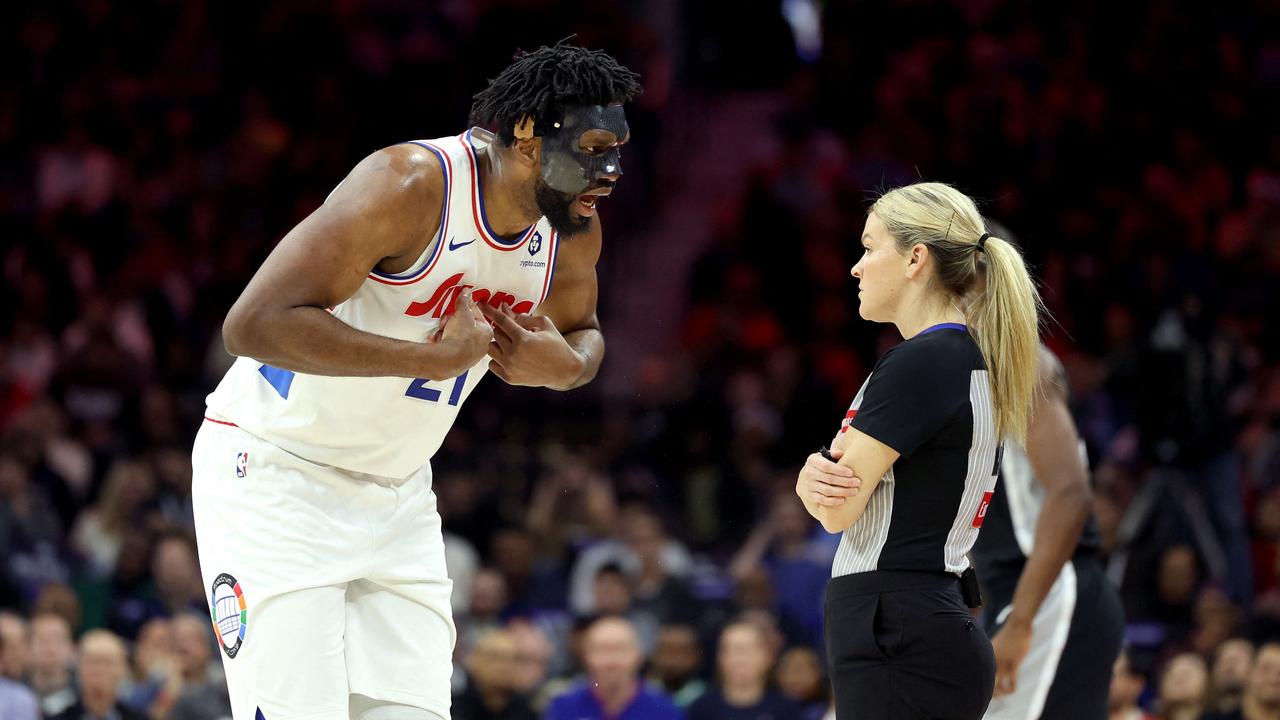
[826,483]
[467,333]
[1011,645]
[529,350]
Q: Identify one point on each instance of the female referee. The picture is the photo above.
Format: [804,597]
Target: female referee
[923,436]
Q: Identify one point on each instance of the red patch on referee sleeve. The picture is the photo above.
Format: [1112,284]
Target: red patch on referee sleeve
[982,509]
[848,418]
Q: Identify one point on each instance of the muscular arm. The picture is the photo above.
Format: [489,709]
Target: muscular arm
[561,347]
[571,304]
[380,212]
[1053,448]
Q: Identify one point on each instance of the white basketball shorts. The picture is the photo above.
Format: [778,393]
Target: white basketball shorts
[321,582]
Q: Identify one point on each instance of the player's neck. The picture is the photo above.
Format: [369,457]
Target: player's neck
[500,190]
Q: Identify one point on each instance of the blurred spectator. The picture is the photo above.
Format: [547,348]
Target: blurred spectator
[642,547]
[50,664]
[1126,687]
[1184,688]
[154,678]
[613,594]
[491,692]
[99,532]
[1232,665]
[798,565]
[799,676]
[16,699]
[488,600]
[677,660]
[204,689]
[14,633]
[744,660]
[534,655]
[1261,700]
[101,668]
[613,688]
[532,582]
[176,586]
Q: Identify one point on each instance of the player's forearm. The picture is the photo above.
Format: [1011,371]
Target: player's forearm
[588,343]
[1057,532]
[310,340]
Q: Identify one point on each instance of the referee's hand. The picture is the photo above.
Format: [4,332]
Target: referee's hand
[826,483]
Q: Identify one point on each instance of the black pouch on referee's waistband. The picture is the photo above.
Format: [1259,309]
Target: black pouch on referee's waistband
[969,590]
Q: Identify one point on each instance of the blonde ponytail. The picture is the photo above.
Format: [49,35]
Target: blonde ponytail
[1001,304]
[1004,314]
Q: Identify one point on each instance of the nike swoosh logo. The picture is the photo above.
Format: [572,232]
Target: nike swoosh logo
[453,246]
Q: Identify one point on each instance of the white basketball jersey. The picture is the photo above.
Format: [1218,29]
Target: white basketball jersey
[392,426]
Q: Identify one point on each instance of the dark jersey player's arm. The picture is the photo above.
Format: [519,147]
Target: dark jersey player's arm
[571,304]
[1053,448]
[380,212]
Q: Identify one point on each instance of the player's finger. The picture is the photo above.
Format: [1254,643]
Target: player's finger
[496,350]
[817,462]
[496,368]
[535,323]
[839,491]
[502,320]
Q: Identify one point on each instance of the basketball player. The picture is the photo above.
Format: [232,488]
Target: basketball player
[359,339]
[1055,620]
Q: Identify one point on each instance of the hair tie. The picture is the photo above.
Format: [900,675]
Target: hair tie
[982,242]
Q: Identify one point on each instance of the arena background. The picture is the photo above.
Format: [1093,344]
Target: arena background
[151,154]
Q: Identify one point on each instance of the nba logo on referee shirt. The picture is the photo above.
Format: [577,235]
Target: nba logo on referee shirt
[242,464]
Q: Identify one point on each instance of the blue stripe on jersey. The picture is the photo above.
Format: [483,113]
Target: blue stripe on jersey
[555,253]
[944,326]
[475,168]
[278,378]
[444,222]
[257,715]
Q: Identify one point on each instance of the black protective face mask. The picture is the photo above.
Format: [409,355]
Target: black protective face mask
[565,168]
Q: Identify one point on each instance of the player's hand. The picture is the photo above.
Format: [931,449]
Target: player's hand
[466,333]
[825,483]
[529,350]
[1011,645]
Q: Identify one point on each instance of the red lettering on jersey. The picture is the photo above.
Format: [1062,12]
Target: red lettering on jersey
[437,301]
[982,509]
[445,297]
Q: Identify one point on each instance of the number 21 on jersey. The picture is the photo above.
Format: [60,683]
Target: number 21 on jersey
[418,389]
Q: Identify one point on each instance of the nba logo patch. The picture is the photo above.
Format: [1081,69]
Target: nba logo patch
[535,243]
[242,464]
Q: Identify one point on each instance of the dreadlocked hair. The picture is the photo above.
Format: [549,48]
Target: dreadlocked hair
[539,84]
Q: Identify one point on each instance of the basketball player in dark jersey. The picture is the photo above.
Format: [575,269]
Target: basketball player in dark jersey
[1054,619]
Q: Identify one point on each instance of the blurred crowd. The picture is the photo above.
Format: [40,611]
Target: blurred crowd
[151,153]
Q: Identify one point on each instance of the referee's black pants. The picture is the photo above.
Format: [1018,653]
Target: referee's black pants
[903,646]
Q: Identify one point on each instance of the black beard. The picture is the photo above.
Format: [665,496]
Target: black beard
[554,206]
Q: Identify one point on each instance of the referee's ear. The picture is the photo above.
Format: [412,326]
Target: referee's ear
[916,258]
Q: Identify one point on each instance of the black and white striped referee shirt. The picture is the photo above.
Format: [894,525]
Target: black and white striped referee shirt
[929,399]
